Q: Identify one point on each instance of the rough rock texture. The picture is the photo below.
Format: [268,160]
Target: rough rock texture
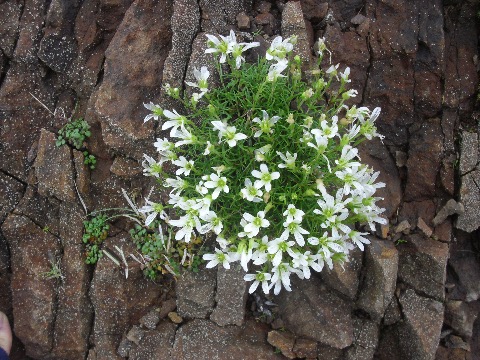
[102,59]
[314,311]
[381,266]
[423,265]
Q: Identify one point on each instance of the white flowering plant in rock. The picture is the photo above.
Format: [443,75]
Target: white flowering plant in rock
[267,163]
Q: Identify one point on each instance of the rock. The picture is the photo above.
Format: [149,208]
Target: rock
[196,294]
[358,19]
[423,265]
[58,51]
[135,334]
[305,348]
[403,227]
[218,16]
[124,347]
[265,19]
[468,152]
[424,228]
[73,305]
[145,33]
[10,13]
[424,161]
[151,319]
[326,352]
[450,208]
[294,24]
[469,221]
[466,269]
[392,313]
[344,278]
[376,155]
[118,302]
[401,158]
[32,296]
[125,167]
[202,339]
[314,10]
[420,330]
[155,344]
[53,169]
[460,317]
[167,306]
[381,265]
[263,7]
[11,191]
[382,230]
[185,26]
[456,342]
[311,310]
[366,334]
[243,21]
[283,341]
[175,318]
[231,296]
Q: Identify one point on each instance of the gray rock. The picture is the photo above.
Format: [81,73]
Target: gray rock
[311,310]
[450,208]
[231,296]
[424,228]
[470,198]
[381,266]
[202,339]
[404,226]
[469,152]
[151,319]
[392,313]
[185,25]
[218,16]
[53,169]
[358,19]
[419,332]
[196,293]
[460,317]
[344,278]
[294,24]
[365,333]
[423,265]
[155,344]
[401,158]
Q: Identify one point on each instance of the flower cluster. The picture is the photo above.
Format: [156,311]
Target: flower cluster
[269,165]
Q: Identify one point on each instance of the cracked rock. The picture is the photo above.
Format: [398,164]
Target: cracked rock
[294,24]
[450,208]
[196,293]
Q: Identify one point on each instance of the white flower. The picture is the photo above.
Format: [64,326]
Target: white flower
[266,124]
[320,140]
[201,77]
[250,192]
[264,177]
[349,94]
[155,209]
[252,224]
[237,50]
[218,258]
[176,121]
[307,94]
[151,167]
[186,224]
[244,252]
[292,213]
[228,132]
[185,166]
[164,146]
[327,130]
[322,47]
[259,278]
[348,153]
[368,129]
[275,70]
[156,111]
[333,71]
[351,176]
[222,47]
[213,223]
[332,209]
[208,149]
[345,74]
[260,255]
[260,152]
[185,136]
[279,49]
[358,239]
[289,160]
[293,227]
[277,247]
[177,184]
[281,276]
[218,184]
